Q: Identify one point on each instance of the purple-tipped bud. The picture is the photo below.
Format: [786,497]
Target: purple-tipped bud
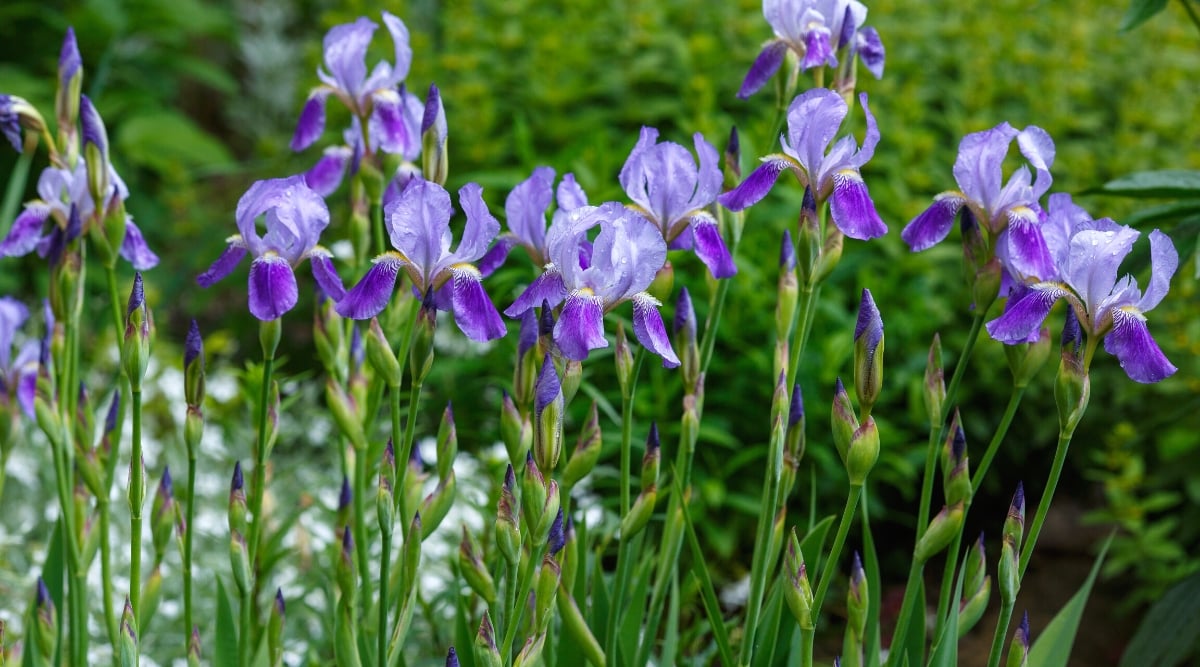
[796,409]
[451,658]
[650,461]
[732,163]
[93,128]
[653,443]
[1014,522]
[1073,385]
[787,252]
[546,321]
[114,409]
[1018,650]
[43,594]
[868,353]
[934,387]
[844,421]
[237,484]
[809,242]
[869,322]
[136,347]
[1072,336]
[275,629]
[347,544]
[137,295]
[435,162]
[193,346]
[279,607]
[548,416]
[193,654]
[528,335]
[956,479]
[549,388]
[794,438]
[856,601]
[1023,630]
[69,60]
[237,501]
[346,496]
[558,537]
[685,336]
[487,654]
[508,534]
[433,106]
[685,314]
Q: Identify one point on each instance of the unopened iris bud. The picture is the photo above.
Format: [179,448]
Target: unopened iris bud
[412,556]
[345,415]
[237,500]
[844,421]
[797,590]
[66,101]
[863,452]
[976,567]
[531,652]
[526,369]
[831,252]
[193,367]
[557,539]
[1073,386]
[651,460]
[162,514]
[452,658]
[329,337]
[437,504]
[345,505]
[385,498]
[639,514]
[685,337]
[794,439]
[731,167]
[623,356]
[572,377]
[379,353]
[420,351]
[45,623]
[193,653]
[136,348]
[239,562]
[977,587]
[544,592]
[1018,651]
[548,415]
[275,629]
[941,530]
[934,387]
[788,290]
[587,450]
[570,558]
[551,508]
[127,644]
[508,532]
[434,136]
[345,569]
[809,243]
[868,353]
[1026,359]
[1014,523]
[515,430]
[857,599]
[487,654]
[473,569]
[414,483]
[956,476]
[1008,569]
[95,154]
[17,112]
[151,596]
[533,492]
[447,442]
[664,282]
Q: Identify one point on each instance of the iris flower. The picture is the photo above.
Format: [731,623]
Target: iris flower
[18,376]
[294,216]
[372,98]
[616,267]
[815,30]
[1007,210]
[814,118]
[1089,254]
[671,191]
[418,224]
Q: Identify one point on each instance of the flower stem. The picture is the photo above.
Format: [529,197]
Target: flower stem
[384,573]
[410,431]
[1006,610]
[839,541]
[187,548]
[360,530]
[626,550]
[258,492]
[110,616]
[1056,468]
[136,486]
[803,320]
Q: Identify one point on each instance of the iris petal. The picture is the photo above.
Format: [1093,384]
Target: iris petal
[1131,343]
[312,120]
[1024,313]
[273,289]
[547,287]
[224,265]
[26,230]
[473,310]
[649,329]
[934,224]
[371,295]
[326,275]
[135,250]
[757,184]
[580,326]
[764,67]
[852,208]
[710,248]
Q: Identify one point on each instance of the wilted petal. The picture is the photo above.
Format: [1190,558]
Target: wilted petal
[371,295]
[1164,260]
[757,184]
[710,247]
[934,224]
[326,175]
[473,310]
[580,326]
[547,287]
[312,120]
[224,265]
[26,230]
[1130,342]
[326,275]
[1024,313]
[273,289]
[870,49]
[649,329]
[135,250]
[764,67]
[852,208]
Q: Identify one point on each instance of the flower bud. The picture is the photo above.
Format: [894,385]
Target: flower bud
[809,244]
[136,493]
[67,98]
[16,113]
[136,348]
[956,476]
[1072,386]
[844,421]
[857,598]
[572,377]
[731,166]
[941,530]
[412,556]
[193,367]
[788,289]
[685,337]
[127,643]
[329,337]
[515,430]
[831,252]
[275,629]
[975,572]
[934,387]
[239,562]
[1018,650]
[452,658]
[437,504]
[379,353]
[639,514]
[548,413]
[344,507]
[342,407]
[650,461]
[487,654]
[797,590]
[587,450]
[623,357]
[435,163]
[868,353]
[972,607]
[526,369]
[237,500]
[162,515]
[95,155]
[531,652]
[420,351]
[193,653]
[1014,523]
[863,452]
[385,497]
[794,438]
[1008,570]
[473,569]
[45,626]
[508,532]
[576,627]
[570,557]
[151,596]
[1026,359]
[544,592]
[345,569]
[447,442]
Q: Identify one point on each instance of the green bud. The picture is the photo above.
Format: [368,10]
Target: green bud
[1014,522]
[544,592]
[107,237]
[151,596]
[808,241]
[935,385]
[269,333]
[412,557]
[940,532]
[420,351]
[956,475]
[193,654]
[163,513]
[508,532]
[1072,391]
[91,472]
[639,515]
[434,135]
[972,607]
[857,598]
[135,351]
[474,570]
[797,591]
[275,630]
[545,520]
[345,415]
[193,431]
[844,422]
[863,452]
[345,647]
[577,628]
[868,353]
[548,413]
[788,289]
[487,654]
[515,430]
[976,567]
[447,442]
[137,488]
[572,377]
[531,652]
[344,571]
[685,337]
[360,234]
[45,626]
[533,495]
[48,418]
[624,360]
[127,644]
[587,450]
[570,555]
[437,504]
[1018,650]
[650,461]
[379,353]
[237,501]
[1026,359]
[239,561]
[831,252]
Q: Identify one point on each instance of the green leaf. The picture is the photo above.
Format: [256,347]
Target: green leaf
[874,587]
[813,544]
[464,635]
[166,140]
[1167,635]
[226,634]
[1162,183]
[1053,646]
[1170,212]
[945,651]
[631,624]
[768,628]
[707,593]
[1140,11]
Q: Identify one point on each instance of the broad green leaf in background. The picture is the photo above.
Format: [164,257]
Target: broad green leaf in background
[1053,645]
[226,634]
[1140,11]
[1161,183]
[1169,632]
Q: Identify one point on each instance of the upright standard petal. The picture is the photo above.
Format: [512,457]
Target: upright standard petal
[980,157]
[525,208]
[418,223]
[649,329]
[1095,258]
[481,226]
[495,256]
[870,49]
[710,247]
[135,250]
[814,118]
[1024,313]
[371,295]
[852,209]
[390,130]
[473,310]
[224,264]
[1164,260]
[26,230]
[312,120]
[346,52]
[273,289]
[1037,147]
[756,186]
[569,195]
[580,326]
[402,48]
[934,224]
[765,66]
[1130,342]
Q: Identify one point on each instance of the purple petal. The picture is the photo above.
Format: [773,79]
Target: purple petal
[1022,248]
[569,195]
[709,178]
[326,175]
[870,139]
[710,247]
[1164,260]
[527,337]
[27,388]
[10,123]
[135,250]
[1095,257]
[757,184]
[814,118]
[326,275]
[92,125]
[388,126]
[1037,147]
[345,49]
[764,67]
[403,50]
[371,295]
[1130,342]
[977,167]
[273,289]
[649,330]
[69,60]
[548,386]
[547,287]
[12,314]
[580,326]
[26,230]
[481,227]
[852,209]
[870,49]
[495,257]
[1024,313]
[418,222]
[294,217]
[473,310]
[818,49]
[224,265]
[934,224]
[525,207]
[312,120]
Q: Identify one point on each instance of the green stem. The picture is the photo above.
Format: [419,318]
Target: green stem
[187,550]
[377,226]
[510,599]
[384,567]
[258,492]
[410,433]
[839,541]
[1006,610]
[16,185]
[1056,468]
[136,484]
[625,552]
[510,633]
[804,319]
[110,616]
[360,527]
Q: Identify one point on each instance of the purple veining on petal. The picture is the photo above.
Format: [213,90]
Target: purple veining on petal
[870,49]
[371,295]
[326,275]
[223,265]
[852,209]
[580,326]
[525,208]
[710,247]
[934,223]
[26,230]
[649,329]
[1131,343]
[818,49]
[547,287]
[326,175]
[977,167]
[495,256]
[548,386]
[473,310]
[1024,313]
[1022,248]
[869,320]
[273,289]
[527,336]
[766,64]
[757,184]
[10,123]
[312,120]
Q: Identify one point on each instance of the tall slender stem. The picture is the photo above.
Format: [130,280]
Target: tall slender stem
[1035,529]
[625,551]
[360,529]
[136,483]
[110,615]
[804,318]
[260,462]
[384,573]
[410,433]
[1006,610]
[187,548]
[839,541]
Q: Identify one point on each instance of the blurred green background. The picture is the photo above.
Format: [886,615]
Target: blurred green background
[201,100]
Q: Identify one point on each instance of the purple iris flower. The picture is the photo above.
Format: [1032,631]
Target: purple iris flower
[294,217]
[1088,254]
[525,210]
[813,120]
[622,262]
[372,98]
[10,122]
[1009,211]
[815,30]
[670,190]
[418,224]
[60,191]
[18,376]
